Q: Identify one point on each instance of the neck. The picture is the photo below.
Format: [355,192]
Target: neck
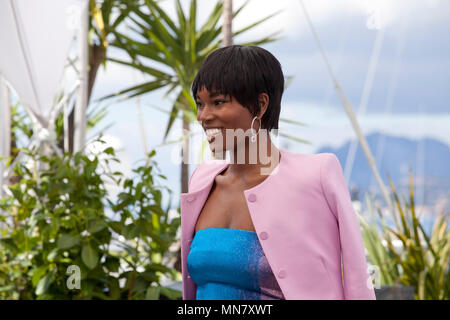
[253,156]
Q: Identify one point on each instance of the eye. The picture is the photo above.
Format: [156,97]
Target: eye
[219,101]
[199,104]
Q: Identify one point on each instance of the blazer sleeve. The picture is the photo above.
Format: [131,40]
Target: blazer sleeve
[357,280]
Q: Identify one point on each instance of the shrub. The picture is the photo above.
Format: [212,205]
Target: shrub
[421,260]
[55,227]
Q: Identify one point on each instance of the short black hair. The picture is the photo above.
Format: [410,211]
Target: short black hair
[244,72]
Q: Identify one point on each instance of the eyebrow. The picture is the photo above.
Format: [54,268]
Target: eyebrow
[212,95]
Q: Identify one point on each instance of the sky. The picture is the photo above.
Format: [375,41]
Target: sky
[390,57]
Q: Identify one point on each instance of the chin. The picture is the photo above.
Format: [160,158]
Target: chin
[219,152]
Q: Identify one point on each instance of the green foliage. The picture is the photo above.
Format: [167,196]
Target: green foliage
[57,218]
[422,261]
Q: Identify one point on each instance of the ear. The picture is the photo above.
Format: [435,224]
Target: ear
[263,100]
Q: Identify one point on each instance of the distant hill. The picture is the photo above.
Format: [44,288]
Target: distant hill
[428,158]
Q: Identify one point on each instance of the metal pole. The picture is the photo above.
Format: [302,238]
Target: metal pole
[368,84]
[82,99]
[5,128]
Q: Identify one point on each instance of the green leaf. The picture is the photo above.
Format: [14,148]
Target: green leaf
[9,244]
[109,150]
[131,231]
[44,283]
[112,263]
[89,256]
[67,241]
[149,276]
[7,288]
[158,267]
[253,25]
[152,293]
[138,89]
[95,225]
[52,255]
[117,226]
[114,287]
[171,293]
[142,68]
[37,274]
[207,31]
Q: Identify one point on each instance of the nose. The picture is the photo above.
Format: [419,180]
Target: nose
[205,114]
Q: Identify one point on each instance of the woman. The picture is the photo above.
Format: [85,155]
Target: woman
[268,223]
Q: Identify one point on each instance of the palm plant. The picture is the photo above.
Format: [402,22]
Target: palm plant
[227,37]
[422,261]
[179,46]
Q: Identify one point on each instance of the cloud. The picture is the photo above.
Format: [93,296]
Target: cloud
[330,125]
[342,28]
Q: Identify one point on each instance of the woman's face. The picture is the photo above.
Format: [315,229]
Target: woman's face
[215,110]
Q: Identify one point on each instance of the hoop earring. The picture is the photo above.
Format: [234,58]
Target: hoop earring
[253,137]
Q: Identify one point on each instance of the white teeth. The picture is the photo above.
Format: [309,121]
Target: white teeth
[211,132]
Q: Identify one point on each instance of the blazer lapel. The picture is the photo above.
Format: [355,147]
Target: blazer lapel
[191,203]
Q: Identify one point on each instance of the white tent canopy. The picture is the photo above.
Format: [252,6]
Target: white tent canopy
[35,39]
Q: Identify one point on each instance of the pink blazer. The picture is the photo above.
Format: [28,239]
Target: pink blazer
[310,232]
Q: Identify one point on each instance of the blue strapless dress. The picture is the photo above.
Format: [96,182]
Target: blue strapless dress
[229,264]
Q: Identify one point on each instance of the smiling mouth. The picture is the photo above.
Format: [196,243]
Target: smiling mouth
[211,133]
